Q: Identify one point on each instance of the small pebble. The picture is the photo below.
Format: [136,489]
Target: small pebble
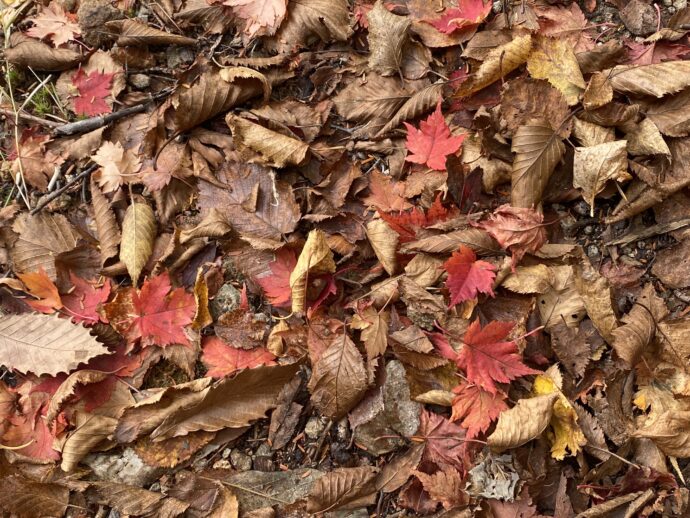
[592,250]
[641,245]
[222,464]
[581,208]
[671,10]
[667,2]
[497,7]
[589,229]
[314,427]
[240,460]
[226,453]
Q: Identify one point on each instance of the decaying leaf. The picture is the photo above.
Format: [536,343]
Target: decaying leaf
[316,258]
[139,229]
[553,59]
[384,241]
[522,423]
[387,37]
[343,488]
[655,80]
[596,165]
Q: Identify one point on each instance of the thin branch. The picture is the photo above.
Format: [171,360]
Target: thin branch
[50,197]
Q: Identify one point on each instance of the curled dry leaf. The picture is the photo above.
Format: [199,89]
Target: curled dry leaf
[27,52]
[316,258]
[656,80]
[522,423]
[418,103]
[42,238]
[90,431]
[67,388]
[45,344]
[343,488]
[639,326]
[538,149]
[106,225]
[384,241]
[135,34]
[139,230]
[596,295]
[669,431]
[275,149]
[596,165]
[387,37]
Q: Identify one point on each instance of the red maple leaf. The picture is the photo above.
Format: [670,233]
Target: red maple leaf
[468,277]
[93,90]
[476,408]
[223,360]
[154,315]
[517,229]
[432,142]
[120,363]
[85,300]
[468,13]
[40,286]
[29,427]
[276,285]
[444,441]
[486,359]
[407,223]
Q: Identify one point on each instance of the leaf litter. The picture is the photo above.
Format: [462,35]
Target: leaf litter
[270,258]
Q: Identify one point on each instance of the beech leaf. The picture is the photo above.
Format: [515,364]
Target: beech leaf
[138,232]
[522,423]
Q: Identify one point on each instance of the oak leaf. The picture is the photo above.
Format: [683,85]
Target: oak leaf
[54,24]
[223,360]
[468,277]
[92,91]
[154,315]
[41,287]
[432,142]
[475,408]
[85,300]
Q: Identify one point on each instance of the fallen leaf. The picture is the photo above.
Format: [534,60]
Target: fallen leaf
[387,35]
[117,166]
[223,360]
[444,441]
[522,423]
[469,13]
[316,258]
[374,327]
[86,300]
[92,91]
[343,488]
[41,287]
[276,285]
[468,277]
[475,408]
[384,241]
[52,23]
[553,59]
[655,80]
[445,486]
[432,142]
[596,165]
[139,230]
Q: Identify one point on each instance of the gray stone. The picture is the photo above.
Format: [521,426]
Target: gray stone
[240,460]
[124,467]
[177,57]
[399,417]
[222,464]
[227,299]
[639,18]
[92,16]
[680,4]
[141,81]
[592,250]
[314,427]
[265,489]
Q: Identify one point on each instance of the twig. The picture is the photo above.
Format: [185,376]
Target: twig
[94,123]
[50,197]
[30,118]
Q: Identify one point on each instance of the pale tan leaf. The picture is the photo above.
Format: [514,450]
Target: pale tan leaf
[374,327]
[553,59]
[384,241]
[213,225]
[655,80]
[522,423]
[672,115]
[530,279]
[436,397]
[67,387]
[644,138]
[131,500]
[387,36]
[42,238]
[414,339]
[498,63]
[226,505]
[399,469]
[27,499]
[562,303]
[420,102]
[596,295]
[425,269]
[339,378]
[538,149]
[316,258]
[596,165]
[90,431]
[106,225]
[639,325]
[133,33]
[45,344]
[670,431]
[28,52]
[343,488]
[212,92]
[598,92]
[138,234]
[590,134]
[477,239]
[275,149]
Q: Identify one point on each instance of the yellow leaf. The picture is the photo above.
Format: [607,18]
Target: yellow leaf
[554,60]
[564,432]
[316,258]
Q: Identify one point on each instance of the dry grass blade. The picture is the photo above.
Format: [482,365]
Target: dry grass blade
[28,52]
[387,36]
[138,233]
[109,236]
[42,238]
[419,103]
[45,344]
[275,149]
[213,92]
[656,80]
[133,34]
[343,486]
[538,149]
[522,423]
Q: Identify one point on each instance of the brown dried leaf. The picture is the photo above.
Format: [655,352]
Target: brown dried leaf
[27,499]
[339,378]
[343,488]
[671,115]
[562,303]
[596,295]
[530,279]
[374,327]
[478,240]
[523,101]
[522,423]
[420,102]
[275,149]
[423,308]
[498,63]
[553,59]
[639,325]
[212,92]
[67,387]
[399,469]
[590,134]
[538,149]
[656,80]
[134,34]
[106,225]
[90,430]
[445,486]
[414,339]
[316,258]
[131,500]
[598,92]
[171,452]
[387,36]
[139,229]
[45,344]
[28,52]
[596,165]
[573,345]
[384,241]
[645,139]
[260,207]
[670,431]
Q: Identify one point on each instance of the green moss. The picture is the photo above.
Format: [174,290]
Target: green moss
[42,102]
